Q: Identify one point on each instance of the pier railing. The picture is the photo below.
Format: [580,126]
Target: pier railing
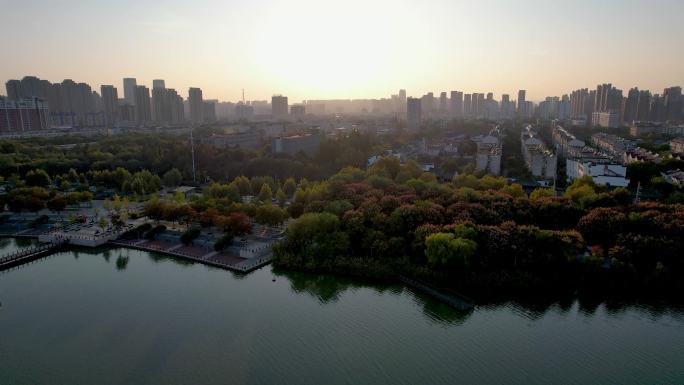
[28,253]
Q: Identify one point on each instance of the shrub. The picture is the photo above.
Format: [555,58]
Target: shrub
[190,235]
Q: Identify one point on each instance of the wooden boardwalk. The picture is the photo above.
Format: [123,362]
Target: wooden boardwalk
[455,300]
[26,255]
[244,266]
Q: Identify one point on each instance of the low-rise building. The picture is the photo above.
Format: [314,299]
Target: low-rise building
[677,145]
[646,128]
[489,151]
[306,143]
[605,119]
[248,140]
[613,145]
[566,143]
[602,173]
[539,159]
[639,154]
[676,177]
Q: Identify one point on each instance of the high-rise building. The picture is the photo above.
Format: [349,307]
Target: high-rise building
[27,114]
[129,89]
[443,102]
[160,110]
[176,107]
[414,113]
[507,107]
[631,106]
[167,105]
[209,111]
[143,112]
[70,103]
[521,102]
[298,111]
[279,106]
[644,106]
[428,104]
[658,112]
[110,104]
[158,83]
[467,105]
[608,99]
[402,101]
[456,103]
[672,99]
[196,105]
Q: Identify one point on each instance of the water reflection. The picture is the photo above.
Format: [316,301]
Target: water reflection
[25,242]
[328,289]
[121,263]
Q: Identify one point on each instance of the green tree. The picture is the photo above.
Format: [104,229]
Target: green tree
[445,250]
[172,178]
[289,187]
[265,194]
[270,215]
[37,177]
[540,193]
[280,196]
[57,204]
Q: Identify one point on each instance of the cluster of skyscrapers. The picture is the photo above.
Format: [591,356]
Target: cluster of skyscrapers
[35,104]
[605,106]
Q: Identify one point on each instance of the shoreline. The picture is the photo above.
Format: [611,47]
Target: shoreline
[238,268]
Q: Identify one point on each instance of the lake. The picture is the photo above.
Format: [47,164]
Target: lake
[130,317]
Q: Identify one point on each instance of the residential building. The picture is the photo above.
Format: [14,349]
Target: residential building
[279,106]
[639,155]
[110,103]
[27,114]
[521,103]
[130,90]
[582,160]
[143,111]
[677,145]
[456,103]
[209,111]
[607,119]
[613,145]
[247,140]
[539,159]
[298,111]
[602,173]
[196,105]
[676,177]
[414,114]
[489,151]
[307,143]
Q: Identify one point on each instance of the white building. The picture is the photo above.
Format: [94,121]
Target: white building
[541,161]
[602,173]
[675,177]
[582,160]
[489,150]
[677,145]
[605,119]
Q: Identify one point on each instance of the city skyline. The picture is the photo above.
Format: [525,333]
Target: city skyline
[359,51]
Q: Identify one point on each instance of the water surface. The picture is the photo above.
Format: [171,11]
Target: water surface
[131,317]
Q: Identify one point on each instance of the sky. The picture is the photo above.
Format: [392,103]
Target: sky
[327,49]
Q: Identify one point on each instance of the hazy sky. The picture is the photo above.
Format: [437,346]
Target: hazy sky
[309,49]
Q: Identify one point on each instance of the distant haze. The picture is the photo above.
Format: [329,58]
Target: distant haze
[315,49]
